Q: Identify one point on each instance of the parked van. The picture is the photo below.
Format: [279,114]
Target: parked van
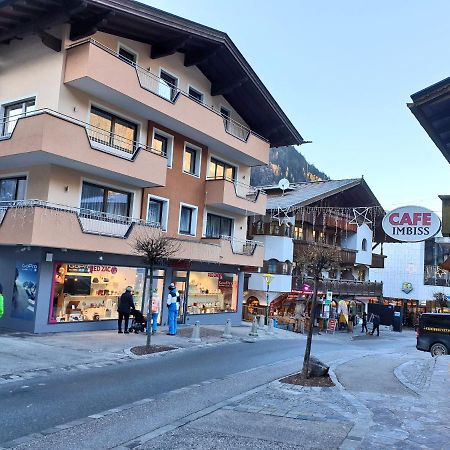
[433,334]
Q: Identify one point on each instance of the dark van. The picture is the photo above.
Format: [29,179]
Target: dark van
[433,334]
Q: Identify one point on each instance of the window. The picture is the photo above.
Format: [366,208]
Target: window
[195,95]
[13,112]
[212,292]
[191,160]
[86,292]
[105,200]
[364,245]
[12,189]
[167,86]
[157,210]
[298,233]
[188,220]
[220,170]
[127,55]
[217,226]
[163,143]
[112,130]
[272,266]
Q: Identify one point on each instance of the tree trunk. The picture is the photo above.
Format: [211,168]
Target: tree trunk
[310,331]
[149,310]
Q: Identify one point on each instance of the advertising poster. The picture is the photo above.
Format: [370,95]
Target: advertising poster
[25,291]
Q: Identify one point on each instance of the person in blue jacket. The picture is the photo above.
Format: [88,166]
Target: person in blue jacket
[172,304]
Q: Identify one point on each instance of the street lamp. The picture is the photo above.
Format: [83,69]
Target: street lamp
[268,278]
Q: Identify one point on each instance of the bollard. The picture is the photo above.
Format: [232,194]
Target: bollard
[270,327]
[261,322]
[227,332]
[254,330]
[196,333]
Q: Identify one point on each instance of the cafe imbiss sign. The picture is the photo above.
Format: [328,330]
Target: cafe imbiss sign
[411,224]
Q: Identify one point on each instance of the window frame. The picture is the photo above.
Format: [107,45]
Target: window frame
[170,144]
[16,178]
[6,106]
[193,220]
[226,165]
[191,148]
[129,50]
[197,92]
[164,210]
[173,86]
[107,189]
[364,245]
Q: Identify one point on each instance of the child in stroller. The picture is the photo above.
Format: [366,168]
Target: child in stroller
[138,323]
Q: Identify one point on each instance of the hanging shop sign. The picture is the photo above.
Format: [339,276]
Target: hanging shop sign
[407,287]
[411,224]
[329,298]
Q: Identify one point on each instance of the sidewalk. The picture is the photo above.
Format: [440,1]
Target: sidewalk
[25,355]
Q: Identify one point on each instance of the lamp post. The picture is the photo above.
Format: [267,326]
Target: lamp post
[268,278]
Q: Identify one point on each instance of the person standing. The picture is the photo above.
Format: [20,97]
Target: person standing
[2,302]
[376,324]
[156,308]
[172,305]
[124,307]
[364,323]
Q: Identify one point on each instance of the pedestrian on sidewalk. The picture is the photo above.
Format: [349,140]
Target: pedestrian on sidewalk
[173,300]
[2,302]
[364,323]
[126,304]
[376,324]
[156,308]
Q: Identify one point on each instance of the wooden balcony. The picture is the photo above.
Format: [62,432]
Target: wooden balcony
[377,261]
[347,256]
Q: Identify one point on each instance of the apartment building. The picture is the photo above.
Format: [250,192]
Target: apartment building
[120,120]
[308,215]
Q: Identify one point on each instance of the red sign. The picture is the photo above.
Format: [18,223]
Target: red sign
[215,275]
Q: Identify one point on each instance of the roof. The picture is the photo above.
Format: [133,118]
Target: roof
[212,51]
[431,107]
[304,194]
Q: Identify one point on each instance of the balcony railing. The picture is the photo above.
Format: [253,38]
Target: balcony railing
[91,222]
[341,287]
[242,190]
[238,246]
[155,84]
[377,261]
[271,229]
[100,139]
[347,256]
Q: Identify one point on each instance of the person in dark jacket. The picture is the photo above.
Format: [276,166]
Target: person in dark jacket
[124,307]
[376,324]
[364,323]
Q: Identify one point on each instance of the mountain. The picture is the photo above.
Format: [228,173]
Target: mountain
[285,162]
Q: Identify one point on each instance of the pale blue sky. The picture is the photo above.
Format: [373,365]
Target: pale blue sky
[343,72]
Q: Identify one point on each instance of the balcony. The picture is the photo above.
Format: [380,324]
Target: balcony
[377,261]
[48,137]
[44,224]
[99,71]
[341,287]
[271,229]
[346,256]
[235,197]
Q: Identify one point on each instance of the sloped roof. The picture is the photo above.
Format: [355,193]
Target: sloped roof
[212,51]
[304,194]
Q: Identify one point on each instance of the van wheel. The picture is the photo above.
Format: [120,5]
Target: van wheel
[438,349]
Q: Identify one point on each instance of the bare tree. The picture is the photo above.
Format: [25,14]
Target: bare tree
[155,247]
[441,299]
[315,259]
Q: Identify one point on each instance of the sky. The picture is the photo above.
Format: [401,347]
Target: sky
[343,72]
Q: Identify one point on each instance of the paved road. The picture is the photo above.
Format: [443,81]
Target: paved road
[34,405]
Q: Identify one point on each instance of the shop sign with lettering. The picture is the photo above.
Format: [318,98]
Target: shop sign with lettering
[411,224]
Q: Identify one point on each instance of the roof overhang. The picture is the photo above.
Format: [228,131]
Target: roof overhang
[212,51]
[431,107]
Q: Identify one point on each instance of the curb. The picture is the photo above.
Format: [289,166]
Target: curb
[417,390]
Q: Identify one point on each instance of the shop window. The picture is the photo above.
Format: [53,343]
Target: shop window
[85,292]
[191,160]
[364,245]
[12,189]
[13,112]
[127,55]
[158,210]
[219,170]
[188,220]
[217,226]
[113,131]
[195,95]
[167,86]
[105,200]
[211,293]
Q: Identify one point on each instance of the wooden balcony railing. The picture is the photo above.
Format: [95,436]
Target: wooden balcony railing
[347,256]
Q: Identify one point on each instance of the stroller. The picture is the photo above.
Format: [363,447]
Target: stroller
[138,322]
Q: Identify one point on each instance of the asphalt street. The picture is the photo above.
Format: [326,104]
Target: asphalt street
[30,406]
